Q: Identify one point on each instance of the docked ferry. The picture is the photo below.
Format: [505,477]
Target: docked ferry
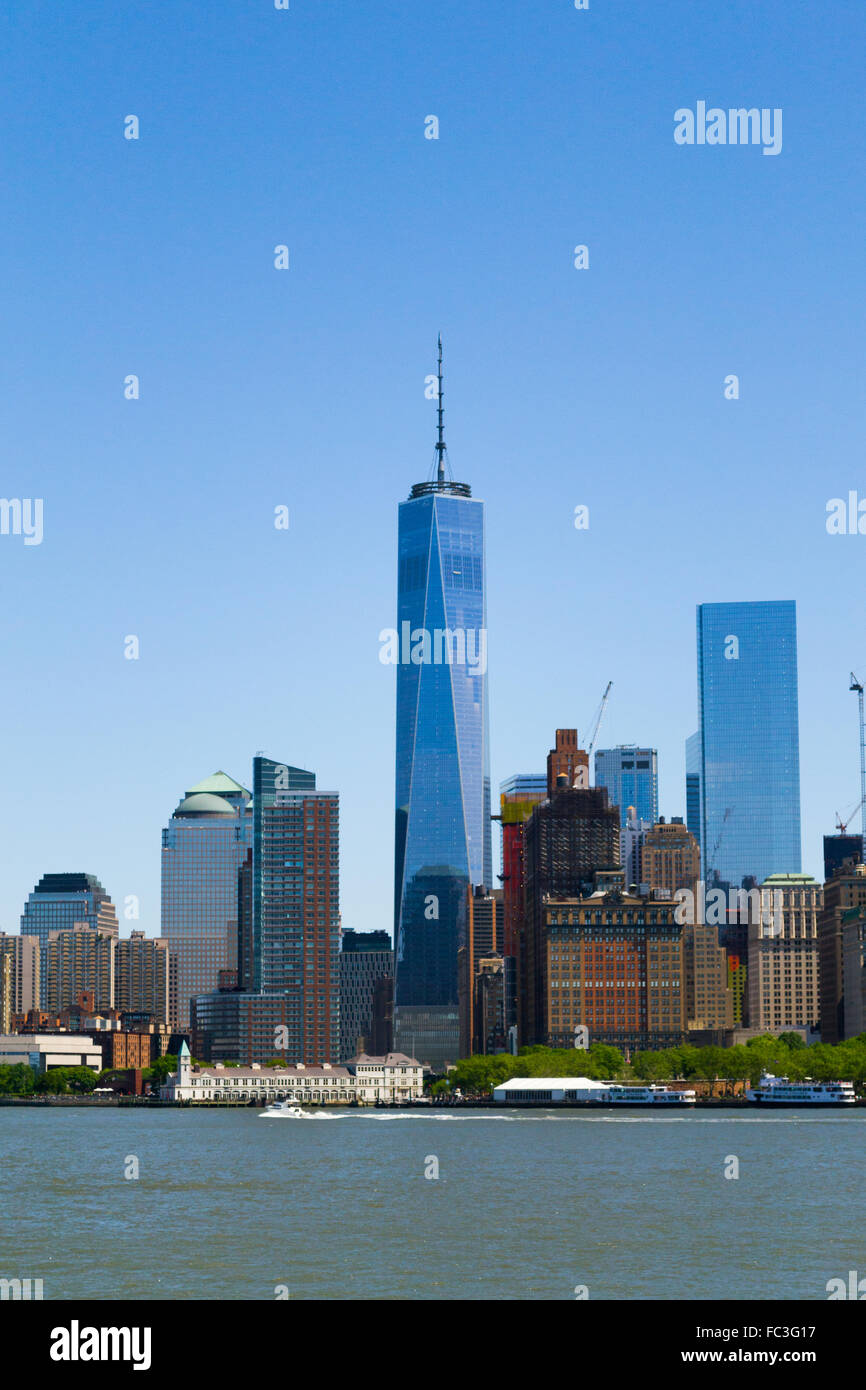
[649,1095]
[778,1090]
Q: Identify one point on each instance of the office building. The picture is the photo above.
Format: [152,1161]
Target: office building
[693,785]
[749,740]
[236,1025]
[670,859]
[631,777]
[203,845]
[631,838]
[853,921]
[611,962]
[709,998]
[840,850]
[569,838]
[844,892]
[442,824]
[782,976]
[45,1051]
[483,939]
[519,794]
[365,958]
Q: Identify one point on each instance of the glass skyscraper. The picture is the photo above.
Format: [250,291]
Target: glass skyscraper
[631,777]
[203,847]
[748,740]
[442,774]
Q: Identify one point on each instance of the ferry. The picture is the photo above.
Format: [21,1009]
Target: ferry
[778,1090]
[649,1095]
[281,1109]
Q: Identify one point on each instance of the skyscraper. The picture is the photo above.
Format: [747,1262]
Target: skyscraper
[203,847]
[631,777]
[365,959]
[60,902]
[295,948]
[693,785]
[442,832]
[749,740]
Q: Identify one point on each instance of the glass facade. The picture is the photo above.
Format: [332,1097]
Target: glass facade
[631,777]
[693,785]
[59,903]
[203,847]
[443,841]
[749,740]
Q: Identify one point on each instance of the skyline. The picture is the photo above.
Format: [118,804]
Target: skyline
[601,388]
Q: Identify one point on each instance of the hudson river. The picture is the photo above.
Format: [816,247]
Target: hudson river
[527,1205]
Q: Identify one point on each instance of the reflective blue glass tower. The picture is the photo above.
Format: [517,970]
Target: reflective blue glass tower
[749,775]
[442,776]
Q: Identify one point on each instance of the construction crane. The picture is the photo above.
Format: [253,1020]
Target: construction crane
[597,721]
[716,847]
[855,685]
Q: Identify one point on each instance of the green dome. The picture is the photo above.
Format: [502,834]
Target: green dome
[205,804]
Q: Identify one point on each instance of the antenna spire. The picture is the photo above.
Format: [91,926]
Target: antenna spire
[440,443]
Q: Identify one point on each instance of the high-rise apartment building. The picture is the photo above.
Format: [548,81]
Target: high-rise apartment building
[631,777]
[749,740]
[75,962]
[519,794]
[141,976]
[203,846]
[365,958]
[442,828]
[296,905]
[782,975]
[22,953]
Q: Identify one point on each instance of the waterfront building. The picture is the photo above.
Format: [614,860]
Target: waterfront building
[569,838]
[21,953]
[612,962]
[782,975]
[203,846]
[442,817]
[670,859]
[631,777]
[75,962]
[141,975]
[45,1051]
[366,1080]
[365,958]
[239,1025]
[749,740]
[844,891]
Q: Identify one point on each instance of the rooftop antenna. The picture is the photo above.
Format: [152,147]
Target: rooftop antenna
[440,443]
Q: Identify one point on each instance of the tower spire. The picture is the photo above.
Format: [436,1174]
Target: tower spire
[440,443]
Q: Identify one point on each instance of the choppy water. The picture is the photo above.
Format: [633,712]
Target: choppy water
[527,1205]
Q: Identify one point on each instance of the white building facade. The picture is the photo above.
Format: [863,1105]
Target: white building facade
[391,1080]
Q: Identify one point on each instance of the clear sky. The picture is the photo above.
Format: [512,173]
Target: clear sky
[305,387]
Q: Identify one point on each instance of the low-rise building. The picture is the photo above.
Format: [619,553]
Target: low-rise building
[392,1080]
[44,1051]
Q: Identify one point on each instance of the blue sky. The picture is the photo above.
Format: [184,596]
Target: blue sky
[601,387]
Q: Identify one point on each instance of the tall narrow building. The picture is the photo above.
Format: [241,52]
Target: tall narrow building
[748,740]
[203,846]
[631,777]
[442,832]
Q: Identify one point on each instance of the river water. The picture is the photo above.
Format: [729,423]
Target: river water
[526,1205]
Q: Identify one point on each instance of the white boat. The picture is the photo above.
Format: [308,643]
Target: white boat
[282,1109]
[649,1095]
[778,1090]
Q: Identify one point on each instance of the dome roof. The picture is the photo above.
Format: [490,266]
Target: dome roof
[205,804]
[220,784]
